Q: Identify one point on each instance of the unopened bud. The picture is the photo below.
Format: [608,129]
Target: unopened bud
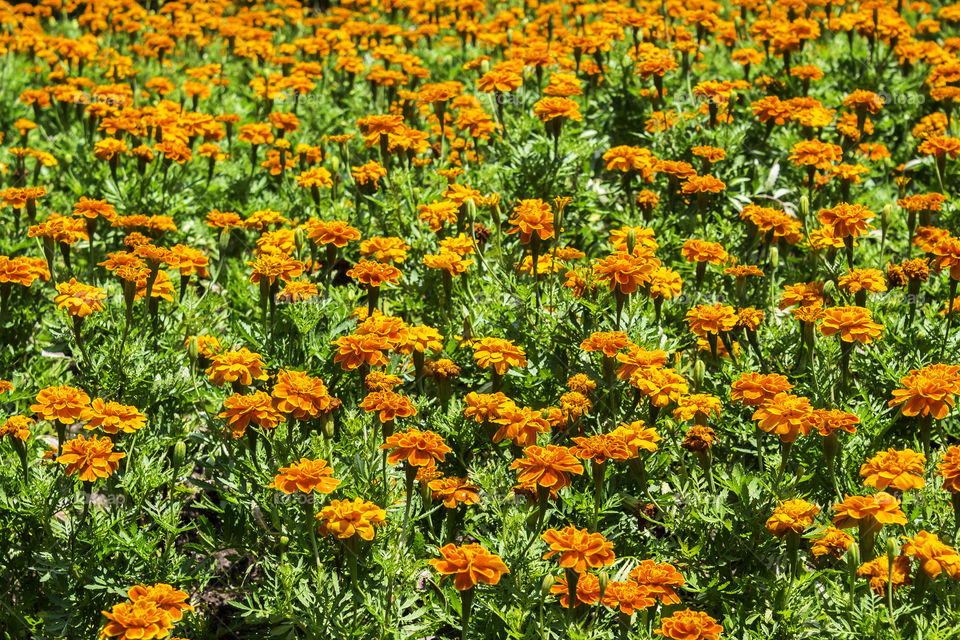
[631,240]
[885,215]
[853,557]
[299,237]
[224,239]
[284,544]
[546,585]
[495,213]
[193,348]
[604,581]
[334,164]
[179,454]
[893,550]
[699,369]
[775,257]
[804,207]
[471,210]
[829,288]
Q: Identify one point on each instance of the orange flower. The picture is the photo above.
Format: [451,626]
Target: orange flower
[354,350]
[346,518]
[785,415]
[703,251]
[880,573]
[815,154]
[548,108]
[300,395]
[63,403]
[532,217]
[754,389]
[902,470]
[878,509]
[637,436]
[588,590]
[689,625]
[498,353]
[791,516]
[854,324]
[484,407]
[93,458]
[548,467]
[662,386]
[305,476]
[334,232]
[846,220]
[469,565]
[390,405]
[712,319]
[934,556]
[17,427]
[374,274]
[172,601]
[660,579]
[832,420]
[831,541]
[579,549]
[928,391]
[240,410]
[520,425]
[417,448]
[949,469]
[113,417]
[627,596]
[143,620]
[603,447]
[609,343]
[625,272]
[453,491]
[243,367]
[78,299]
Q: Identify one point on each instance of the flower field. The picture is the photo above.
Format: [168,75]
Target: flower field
[457,319]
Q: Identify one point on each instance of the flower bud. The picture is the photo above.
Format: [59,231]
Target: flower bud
[299,239]
[885,217]
[179,454]
[804,207]
[471,211]
[193,348]
[829,288]
[495,213]
[631,240]
[893,550]
[334,164]
[224,239]
[699,369]
[853,558]
[546,585]
[775,257]
[604,581]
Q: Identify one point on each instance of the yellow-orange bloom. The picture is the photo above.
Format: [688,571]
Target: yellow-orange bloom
[901,470]
[63,403]
[93,458]
[306,476]
[929,391]
[498,353]
[548,467]
[689,625]
[854,324]
[579,549]
[785,415]
[934,556]
[792,516]
[878,509]
[469,565]
[417,448]
[243,367]
[347,518]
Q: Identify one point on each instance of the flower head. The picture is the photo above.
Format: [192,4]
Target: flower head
[347,518]
[901,470]
[579,549]
[63,403]
[305,476]
[417,448]
[469,565]
[689,625]
[791,516]
[93,458]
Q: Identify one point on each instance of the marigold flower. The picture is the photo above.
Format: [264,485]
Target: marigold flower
[532,217]
[354,350]
[347,518]
[417,448]
[831,541]
[627,596]
[469,565]
[242,367]
[662,386]
[949,469]
[579,549]
[660,579]
[551,107]
[902,470]
[609,343]
[17,427]
[306,476]
[78,299]
[928,391]
[846,220]
[815,154]
[785,415]
[854,324]
[791,516]
[172,601]
[143,620]
[712,319]
[880,574]
[484,407]
[453,491]
[374,274]
[934,556]
[62,403]
[878,509]
[699,438]
[702,251]
[603,447]
[498,353]
[548,467]
[625,272]
[240,410]
[520,425]
[636,359]
[334,232]
[689,625]
[300,395]
[829,421]
[390,405]
[113,417]
[93,458]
